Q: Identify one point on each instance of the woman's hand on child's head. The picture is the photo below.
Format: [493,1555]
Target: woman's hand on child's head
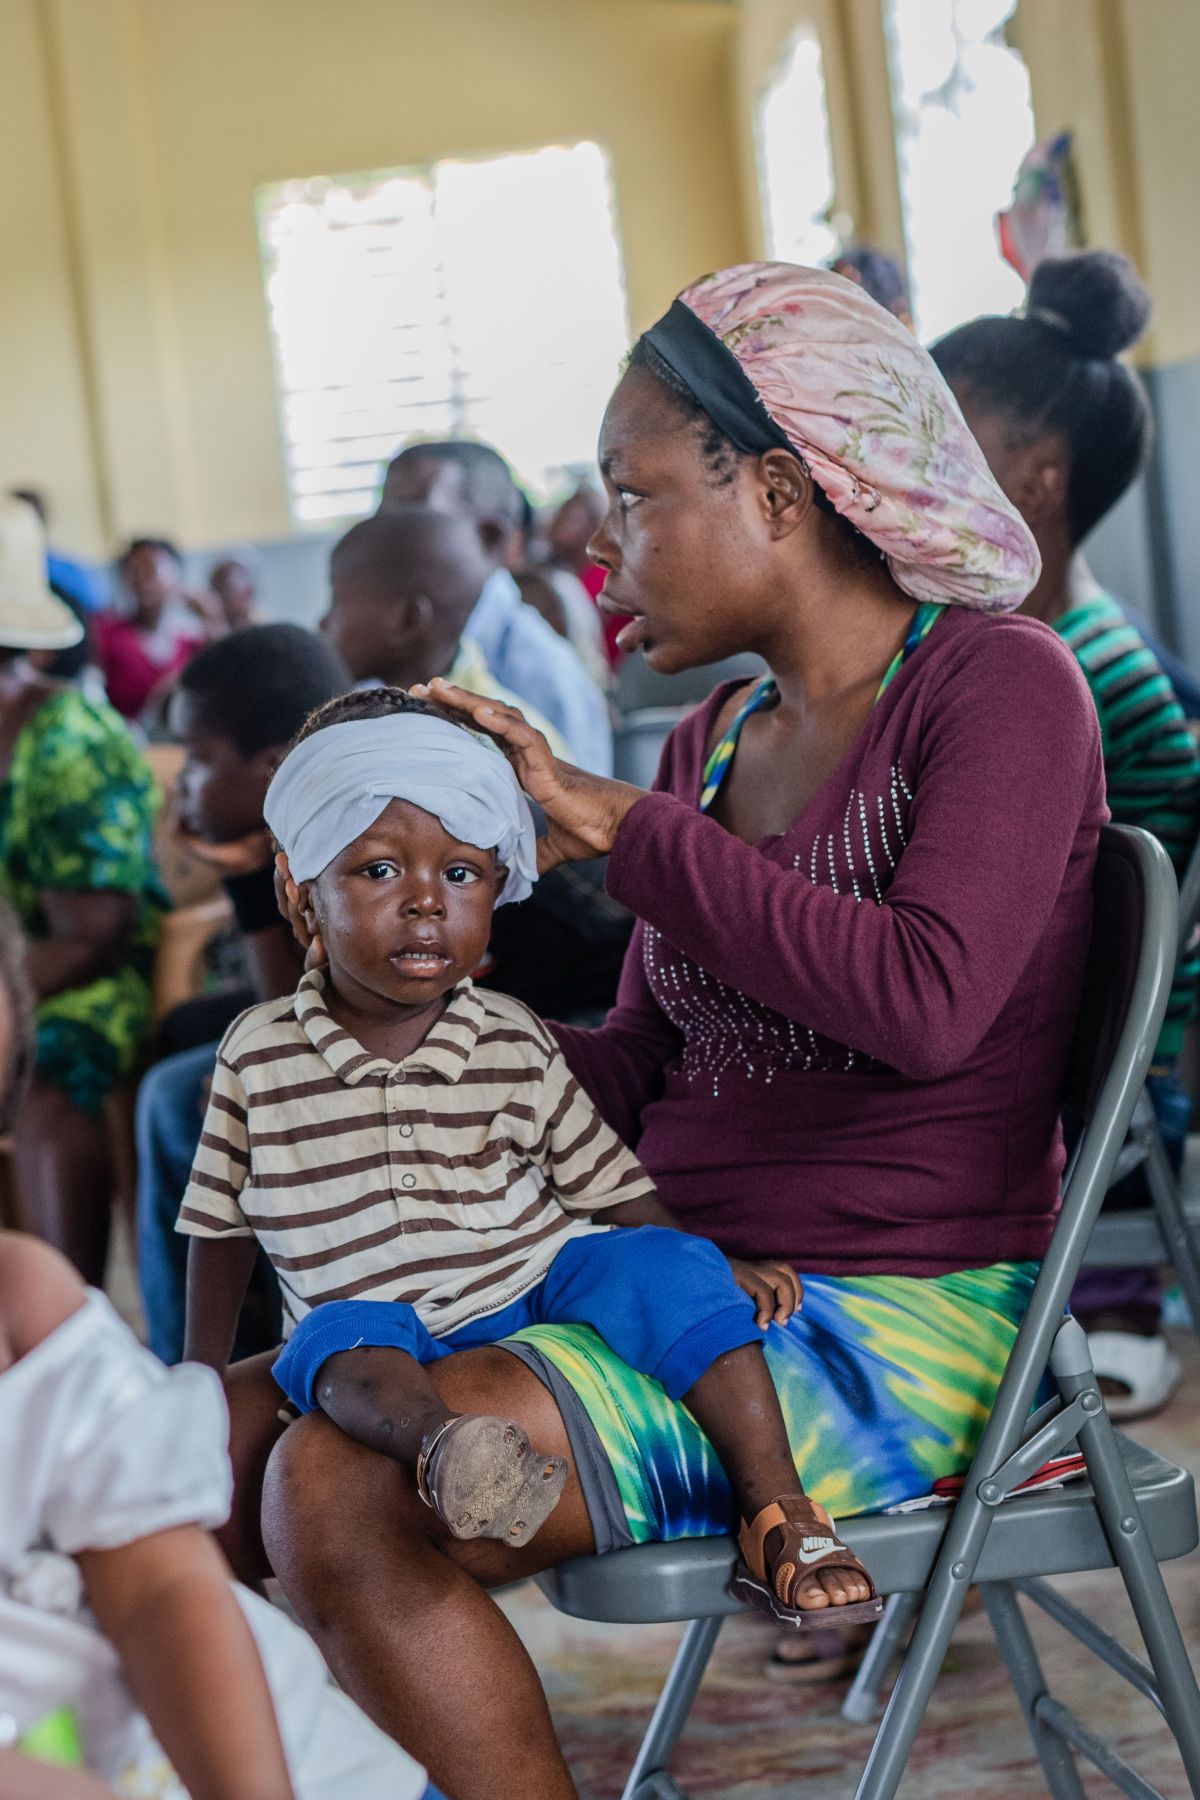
[774,1287]
[583,812]
[295,909]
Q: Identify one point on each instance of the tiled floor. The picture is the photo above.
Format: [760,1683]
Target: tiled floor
[748,1738]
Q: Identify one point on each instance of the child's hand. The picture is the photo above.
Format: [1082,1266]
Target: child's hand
[774,1287]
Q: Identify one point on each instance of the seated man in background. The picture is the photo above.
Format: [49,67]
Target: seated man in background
[473,481]
[239,704]
[405,586]
[233,584]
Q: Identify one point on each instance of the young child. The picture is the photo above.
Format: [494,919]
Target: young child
[425,1173]
[125,1649]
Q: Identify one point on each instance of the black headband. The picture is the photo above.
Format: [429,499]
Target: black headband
[717,379]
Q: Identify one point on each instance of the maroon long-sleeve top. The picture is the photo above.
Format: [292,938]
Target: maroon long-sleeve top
[845,1045]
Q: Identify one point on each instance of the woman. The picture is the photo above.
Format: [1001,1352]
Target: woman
[142,651]
[863,896]
[1066,429]
[77,808]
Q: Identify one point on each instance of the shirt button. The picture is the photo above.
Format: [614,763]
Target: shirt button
[408,1181]
[397,1075]
[406,1131]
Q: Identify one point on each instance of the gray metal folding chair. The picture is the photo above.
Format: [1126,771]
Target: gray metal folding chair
[1135,1509]
[638,741]
[1168,1230]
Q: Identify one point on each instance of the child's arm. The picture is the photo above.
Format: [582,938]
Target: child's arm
[167,1605]
[218,1274]
[223,1248]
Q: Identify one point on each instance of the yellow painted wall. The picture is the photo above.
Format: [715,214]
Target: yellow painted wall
[171,112]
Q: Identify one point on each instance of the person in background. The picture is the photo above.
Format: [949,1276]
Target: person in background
[77,807]
[567,537]
[560,597]
[81,586]
[1066,428]
[238,706]
[879,275]
[523,653]
[141,652]
[404,587]
[232,581]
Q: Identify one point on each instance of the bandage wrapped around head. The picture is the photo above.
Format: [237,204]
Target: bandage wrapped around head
[334,785]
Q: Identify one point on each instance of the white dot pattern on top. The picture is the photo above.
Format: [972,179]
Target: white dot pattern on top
[728,1036]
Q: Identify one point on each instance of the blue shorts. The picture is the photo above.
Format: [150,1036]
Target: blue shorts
[666,1303]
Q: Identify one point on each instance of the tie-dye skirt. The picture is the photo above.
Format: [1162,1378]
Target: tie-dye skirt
[885,1382]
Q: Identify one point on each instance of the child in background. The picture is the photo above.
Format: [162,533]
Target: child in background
[119,1625]
[425,1174]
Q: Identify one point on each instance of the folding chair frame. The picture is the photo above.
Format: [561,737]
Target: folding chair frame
[1133,875]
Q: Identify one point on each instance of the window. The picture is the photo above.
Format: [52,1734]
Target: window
[477,299]
[960,97]
[795,161]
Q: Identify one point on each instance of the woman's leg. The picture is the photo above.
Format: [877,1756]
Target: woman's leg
[396,1604]
[65,1176]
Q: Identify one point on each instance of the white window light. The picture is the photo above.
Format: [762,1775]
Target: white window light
[795,158]
[481,299]
[964,121]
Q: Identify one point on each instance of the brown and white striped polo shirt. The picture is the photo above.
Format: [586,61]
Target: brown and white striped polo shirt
[450,1180]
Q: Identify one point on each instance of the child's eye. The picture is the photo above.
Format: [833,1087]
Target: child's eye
[460,875]
[379,871]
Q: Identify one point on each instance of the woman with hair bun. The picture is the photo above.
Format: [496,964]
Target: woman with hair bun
[1066,428]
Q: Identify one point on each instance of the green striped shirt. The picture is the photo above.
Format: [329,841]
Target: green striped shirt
[1151,760]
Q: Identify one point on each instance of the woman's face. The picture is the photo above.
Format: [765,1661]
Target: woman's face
[688,543]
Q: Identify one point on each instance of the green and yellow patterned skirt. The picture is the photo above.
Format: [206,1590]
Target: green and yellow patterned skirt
[885,1382]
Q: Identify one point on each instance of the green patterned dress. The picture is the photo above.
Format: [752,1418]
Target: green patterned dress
[76,815]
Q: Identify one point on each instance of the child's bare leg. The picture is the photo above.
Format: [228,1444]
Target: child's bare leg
[481,1475]
[735,1404]
[382,1397]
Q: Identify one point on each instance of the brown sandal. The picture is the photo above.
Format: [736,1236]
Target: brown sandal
[804,1552]
[483,1478]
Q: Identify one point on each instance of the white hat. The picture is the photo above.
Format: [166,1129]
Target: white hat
[31,618]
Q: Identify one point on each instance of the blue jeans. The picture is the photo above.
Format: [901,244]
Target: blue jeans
[665,1302]
[170,1116]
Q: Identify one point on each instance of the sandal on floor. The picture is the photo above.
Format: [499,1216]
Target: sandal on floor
[827,1653]
[483,1478]
[1146,1366]
[810,1544]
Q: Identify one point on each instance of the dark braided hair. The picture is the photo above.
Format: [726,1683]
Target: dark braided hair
[722,454]
[1054,371]
[370,703]
[19,997]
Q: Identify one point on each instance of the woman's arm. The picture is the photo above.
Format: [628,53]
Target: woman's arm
[87,934]
[1010,766]
[167,1605]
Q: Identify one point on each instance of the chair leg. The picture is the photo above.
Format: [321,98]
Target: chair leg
[648,1779]
[1177,1234]
[1025,1671]
[918,1675]
[862,1701]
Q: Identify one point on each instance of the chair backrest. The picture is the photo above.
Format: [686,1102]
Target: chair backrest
[1189,901]
[638,743]
[1130,966]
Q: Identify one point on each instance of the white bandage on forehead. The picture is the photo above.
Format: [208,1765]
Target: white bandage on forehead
[333,786]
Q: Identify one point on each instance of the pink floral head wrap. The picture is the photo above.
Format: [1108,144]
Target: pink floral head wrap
[813,364]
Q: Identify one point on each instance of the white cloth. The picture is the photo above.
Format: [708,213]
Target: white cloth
[333,787]
[101,1445]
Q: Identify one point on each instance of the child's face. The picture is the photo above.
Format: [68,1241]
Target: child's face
[405,912]
[221,792]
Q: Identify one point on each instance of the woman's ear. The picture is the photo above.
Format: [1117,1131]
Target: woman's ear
[785,491]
